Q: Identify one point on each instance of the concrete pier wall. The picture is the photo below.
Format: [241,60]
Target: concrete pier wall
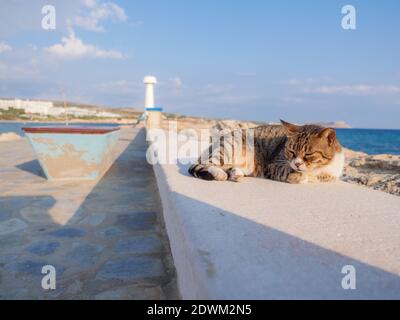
[261,239]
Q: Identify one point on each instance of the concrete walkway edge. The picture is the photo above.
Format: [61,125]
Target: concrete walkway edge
[191,275]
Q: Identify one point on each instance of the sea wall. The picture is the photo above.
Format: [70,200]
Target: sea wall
[261,239]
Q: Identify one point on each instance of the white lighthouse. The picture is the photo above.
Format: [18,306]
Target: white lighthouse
[154,113]
[149,82]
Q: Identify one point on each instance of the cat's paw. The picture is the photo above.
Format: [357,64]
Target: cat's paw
[236,174]
[218,173]
[325,177]
[297,177]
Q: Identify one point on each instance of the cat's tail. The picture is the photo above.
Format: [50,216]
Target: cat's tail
[208,172]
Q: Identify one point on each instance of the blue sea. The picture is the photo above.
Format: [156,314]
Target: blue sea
[371,141]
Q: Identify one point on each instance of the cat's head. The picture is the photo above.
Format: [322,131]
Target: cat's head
[310,147]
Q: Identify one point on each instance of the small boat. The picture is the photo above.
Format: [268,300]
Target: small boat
[73,152]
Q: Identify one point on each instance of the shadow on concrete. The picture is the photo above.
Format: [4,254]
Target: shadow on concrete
[32,167]
[124,183]
[252,260]
[126,199]
[122,204]
[106,193]
[32,209]
[242,259]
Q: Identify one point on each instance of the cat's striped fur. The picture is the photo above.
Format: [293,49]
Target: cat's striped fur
[287,152]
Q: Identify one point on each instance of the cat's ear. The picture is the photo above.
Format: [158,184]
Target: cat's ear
[329,134]
[290,128]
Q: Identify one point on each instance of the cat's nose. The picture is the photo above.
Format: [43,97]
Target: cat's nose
[298,163]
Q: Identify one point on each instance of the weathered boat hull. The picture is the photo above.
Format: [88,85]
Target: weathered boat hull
[73,153]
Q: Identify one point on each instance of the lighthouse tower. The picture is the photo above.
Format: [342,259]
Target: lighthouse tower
[154,113]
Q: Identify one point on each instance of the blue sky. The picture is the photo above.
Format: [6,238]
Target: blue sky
[244,59]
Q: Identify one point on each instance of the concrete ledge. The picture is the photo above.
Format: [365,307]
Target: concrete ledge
[261,239]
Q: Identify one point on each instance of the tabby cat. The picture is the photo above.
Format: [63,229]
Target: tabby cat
[287,153]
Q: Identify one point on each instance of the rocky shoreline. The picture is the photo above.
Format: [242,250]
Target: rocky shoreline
[379,172]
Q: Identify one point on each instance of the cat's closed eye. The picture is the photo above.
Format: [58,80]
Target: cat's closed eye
[314,160]
[291,153]
[311,157]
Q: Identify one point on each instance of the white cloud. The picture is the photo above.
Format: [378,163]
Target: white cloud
[355,90]
[122,87]
[16,72]
[216,89]
[4,47]
[306,81]
[328,86]
[98,12]
[172,84]
[89,3]
[176,82]
[225,94]
[90,17]
[292,100]
[72,47]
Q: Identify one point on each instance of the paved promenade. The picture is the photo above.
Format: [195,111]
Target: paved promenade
[105,238]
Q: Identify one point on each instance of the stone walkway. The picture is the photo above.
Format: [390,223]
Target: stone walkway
[106,238]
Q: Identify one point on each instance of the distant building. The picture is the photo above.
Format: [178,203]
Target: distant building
[104,114]
[47,108]
[29,106]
